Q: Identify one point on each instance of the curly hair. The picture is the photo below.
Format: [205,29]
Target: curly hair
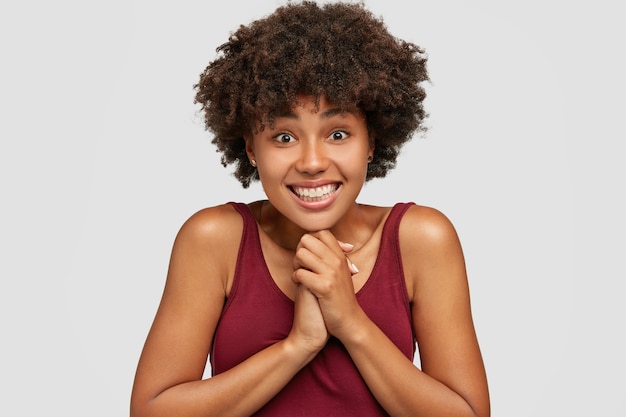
[337,50]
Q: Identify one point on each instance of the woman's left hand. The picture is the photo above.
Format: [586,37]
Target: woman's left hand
[321,265]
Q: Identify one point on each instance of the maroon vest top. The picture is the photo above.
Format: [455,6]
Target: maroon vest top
[258,314]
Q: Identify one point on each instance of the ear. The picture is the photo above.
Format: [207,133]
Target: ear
[249,147]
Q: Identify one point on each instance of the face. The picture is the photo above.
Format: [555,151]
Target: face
[312,163]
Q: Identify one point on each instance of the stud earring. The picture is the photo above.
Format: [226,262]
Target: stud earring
[370,158]
[253,162]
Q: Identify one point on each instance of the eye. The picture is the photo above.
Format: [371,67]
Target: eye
[338,135]
[284,138]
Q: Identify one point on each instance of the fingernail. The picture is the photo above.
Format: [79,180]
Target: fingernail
[348,246]
[352,266]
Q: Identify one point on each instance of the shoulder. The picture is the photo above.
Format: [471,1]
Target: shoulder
[425,226]
[219,221]
[210,237]
[429,246]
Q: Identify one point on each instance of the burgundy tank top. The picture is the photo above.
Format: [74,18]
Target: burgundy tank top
[258,314]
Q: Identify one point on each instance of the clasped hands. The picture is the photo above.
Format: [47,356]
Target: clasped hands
[325,302]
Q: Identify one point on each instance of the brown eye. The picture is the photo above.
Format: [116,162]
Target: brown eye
[284,138]
[338,135]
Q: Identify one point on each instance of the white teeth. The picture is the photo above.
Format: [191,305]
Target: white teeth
[315,193]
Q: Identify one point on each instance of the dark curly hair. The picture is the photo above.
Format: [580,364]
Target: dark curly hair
[337,50]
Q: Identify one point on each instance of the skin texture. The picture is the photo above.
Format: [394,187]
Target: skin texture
[303,144]
[338,50]
[305,246]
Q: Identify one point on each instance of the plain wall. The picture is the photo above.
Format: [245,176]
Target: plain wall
[103,156]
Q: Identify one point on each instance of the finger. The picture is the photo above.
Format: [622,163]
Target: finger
[351,266]
[314,254]
[322,262]
[313,242]
[307,279]
[325,245]
[346,247]
[306,259]
[328,238]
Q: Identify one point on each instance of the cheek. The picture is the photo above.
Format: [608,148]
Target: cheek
[354,159]
[270,170]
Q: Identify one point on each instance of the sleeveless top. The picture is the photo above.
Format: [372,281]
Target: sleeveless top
[258,314]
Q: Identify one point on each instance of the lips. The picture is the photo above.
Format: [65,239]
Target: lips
[315,193]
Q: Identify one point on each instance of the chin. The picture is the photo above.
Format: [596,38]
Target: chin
[314,223]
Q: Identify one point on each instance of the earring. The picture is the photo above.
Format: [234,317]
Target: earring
[253,162]
[370,158]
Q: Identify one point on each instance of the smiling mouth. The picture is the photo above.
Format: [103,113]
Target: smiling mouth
[315,193]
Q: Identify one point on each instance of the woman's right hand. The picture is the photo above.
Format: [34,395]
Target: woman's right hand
[308,331]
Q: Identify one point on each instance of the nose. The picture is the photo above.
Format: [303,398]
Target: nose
[313,158]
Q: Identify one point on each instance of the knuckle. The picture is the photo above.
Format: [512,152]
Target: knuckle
[306,238]
[296,276]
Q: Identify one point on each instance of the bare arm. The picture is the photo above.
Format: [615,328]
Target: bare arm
[169,375]
[452,381]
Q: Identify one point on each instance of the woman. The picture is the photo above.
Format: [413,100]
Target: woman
[309,303]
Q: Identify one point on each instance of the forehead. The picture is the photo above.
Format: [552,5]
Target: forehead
[304,105]
[321,106]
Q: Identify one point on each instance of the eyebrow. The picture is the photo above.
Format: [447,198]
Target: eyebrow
[327,114]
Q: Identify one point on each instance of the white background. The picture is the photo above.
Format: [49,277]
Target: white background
[103,156]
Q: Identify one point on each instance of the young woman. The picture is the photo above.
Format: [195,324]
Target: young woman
[309,303]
